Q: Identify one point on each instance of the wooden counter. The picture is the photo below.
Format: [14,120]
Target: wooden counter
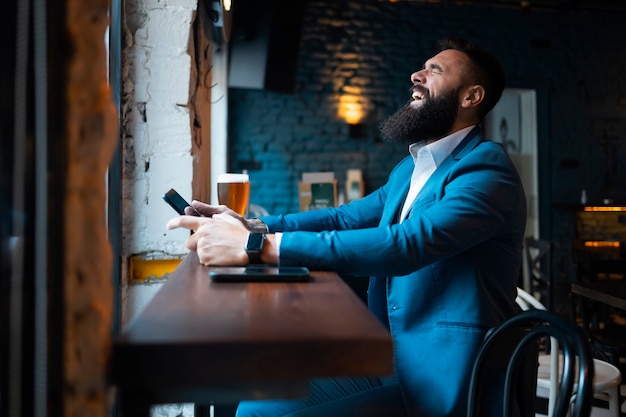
[201,341]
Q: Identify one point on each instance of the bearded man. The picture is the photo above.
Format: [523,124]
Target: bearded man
[441,242]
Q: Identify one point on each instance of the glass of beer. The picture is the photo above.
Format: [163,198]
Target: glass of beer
[233,190]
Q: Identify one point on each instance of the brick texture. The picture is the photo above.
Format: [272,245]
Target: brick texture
[575,60]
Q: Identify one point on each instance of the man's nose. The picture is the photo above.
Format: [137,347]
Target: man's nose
[417,77]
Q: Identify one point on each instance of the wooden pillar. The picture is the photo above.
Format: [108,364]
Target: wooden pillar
[90,135]
[200,103]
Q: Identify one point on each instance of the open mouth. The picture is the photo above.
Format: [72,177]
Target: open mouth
[419,92]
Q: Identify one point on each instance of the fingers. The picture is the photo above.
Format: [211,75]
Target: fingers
[228,218]
[201,208]
[218,239]
[188,222]
[194,222]
[192,242]
[207,210]
[190,211]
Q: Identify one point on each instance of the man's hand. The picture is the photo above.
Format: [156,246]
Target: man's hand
[219,238]
[207,210]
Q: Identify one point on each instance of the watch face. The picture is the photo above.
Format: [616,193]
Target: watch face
[255,241]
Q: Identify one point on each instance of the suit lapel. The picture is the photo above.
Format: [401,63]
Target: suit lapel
[467,144]
[398,193]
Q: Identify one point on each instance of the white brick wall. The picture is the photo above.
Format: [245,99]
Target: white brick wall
[157,140]
[157,144]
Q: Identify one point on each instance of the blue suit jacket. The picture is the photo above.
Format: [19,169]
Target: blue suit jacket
[440,278]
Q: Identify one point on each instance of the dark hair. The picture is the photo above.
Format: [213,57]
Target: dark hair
[487,70]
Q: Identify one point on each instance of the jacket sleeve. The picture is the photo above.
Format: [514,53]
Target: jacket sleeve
[480,198]
[359,214]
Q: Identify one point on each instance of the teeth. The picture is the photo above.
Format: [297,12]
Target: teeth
[416,95]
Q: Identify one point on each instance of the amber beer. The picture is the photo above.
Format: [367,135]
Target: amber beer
[233,190]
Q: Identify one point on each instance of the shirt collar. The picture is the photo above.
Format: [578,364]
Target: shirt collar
[440,149]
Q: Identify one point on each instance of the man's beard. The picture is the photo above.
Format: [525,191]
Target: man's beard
[428,122]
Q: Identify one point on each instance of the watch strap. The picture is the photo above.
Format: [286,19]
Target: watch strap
[254,247]
[254,257]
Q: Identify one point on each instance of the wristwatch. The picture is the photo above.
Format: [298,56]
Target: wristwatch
[254,247]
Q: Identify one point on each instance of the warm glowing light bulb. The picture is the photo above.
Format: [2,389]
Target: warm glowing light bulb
[352,114]
[350,109]
[227,4]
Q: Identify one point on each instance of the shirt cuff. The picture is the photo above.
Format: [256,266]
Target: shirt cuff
[277,238]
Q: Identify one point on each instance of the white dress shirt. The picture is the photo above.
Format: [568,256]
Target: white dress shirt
[427,158]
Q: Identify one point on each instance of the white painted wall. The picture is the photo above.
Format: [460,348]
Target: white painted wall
[157,139]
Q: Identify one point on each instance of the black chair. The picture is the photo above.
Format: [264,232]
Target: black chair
[608,339]
[552,289]
[510,346]
[602,323]
[537,253]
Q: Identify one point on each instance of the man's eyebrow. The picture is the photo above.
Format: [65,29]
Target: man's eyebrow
[432,66]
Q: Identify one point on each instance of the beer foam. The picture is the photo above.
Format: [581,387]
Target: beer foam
[231,177]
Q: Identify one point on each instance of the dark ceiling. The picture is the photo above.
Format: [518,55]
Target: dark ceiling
[557,5]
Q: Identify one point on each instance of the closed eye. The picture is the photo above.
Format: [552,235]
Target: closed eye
[434,68]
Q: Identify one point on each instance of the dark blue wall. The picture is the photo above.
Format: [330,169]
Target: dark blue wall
[576,60]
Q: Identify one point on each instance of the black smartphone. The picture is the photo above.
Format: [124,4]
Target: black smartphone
[259,273]
[177,202]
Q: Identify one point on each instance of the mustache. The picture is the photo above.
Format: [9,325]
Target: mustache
[420,89]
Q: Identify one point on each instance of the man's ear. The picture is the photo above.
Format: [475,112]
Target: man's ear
[474,95]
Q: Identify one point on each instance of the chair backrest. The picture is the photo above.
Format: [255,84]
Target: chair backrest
[513,339]
[527,302]
[537,254]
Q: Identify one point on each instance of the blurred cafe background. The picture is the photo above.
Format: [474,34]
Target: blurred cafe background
[107,104]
